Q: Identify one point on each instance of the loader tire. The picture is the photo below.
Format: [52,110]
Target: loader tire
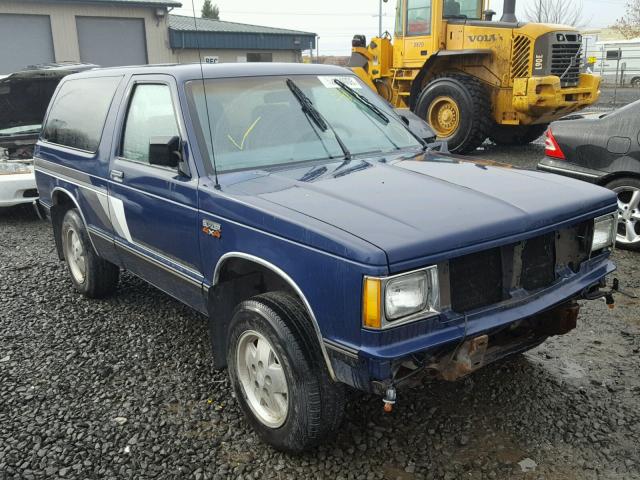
[516,135]
[458,108]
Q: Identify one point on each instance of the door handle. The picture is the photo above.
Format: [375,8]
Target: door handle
[117,175]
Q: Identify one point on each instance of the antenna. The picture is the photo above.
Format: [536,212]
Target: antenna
[204,90]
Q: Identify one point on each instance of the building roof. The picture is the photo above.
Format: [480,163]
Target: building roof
[186,23]
[205,33]
[150,3]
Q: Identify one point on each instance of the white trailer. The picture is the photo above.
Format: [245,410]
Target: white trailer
[616,61]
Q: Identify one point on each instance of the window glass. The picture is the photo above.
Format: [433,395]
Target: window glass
[260,57]
[469,9]
[150,115]
[399,7]
[418,17]
[613,54]
[258,123]
[79,113]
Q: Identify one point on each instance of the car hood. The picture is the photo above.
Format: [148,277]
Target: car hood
[423,205]
[25,95]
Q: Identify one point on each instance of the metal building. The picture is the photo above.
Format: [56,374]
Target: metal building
[131,32]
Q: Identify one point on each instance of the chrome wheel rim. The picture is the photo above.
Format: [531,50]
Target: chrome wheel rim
[262,379]
[628,215]
[75,255]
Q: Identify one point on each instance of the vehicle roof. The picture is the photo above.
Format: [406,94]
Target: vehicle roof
[192,71]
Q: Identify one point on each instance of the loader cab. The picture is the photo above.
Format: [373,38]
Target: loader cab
[420,27]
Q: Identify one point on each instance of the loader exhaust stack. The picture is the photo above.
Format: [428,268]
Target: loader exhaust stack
[509,12]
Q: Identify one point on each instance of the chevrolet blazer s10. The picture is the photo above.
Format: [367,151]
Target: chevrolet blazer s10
[328,244]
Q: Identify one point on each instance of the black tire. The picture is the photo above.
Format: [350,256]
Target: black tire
[626,183]
[100,276]
[315,402]
[635,82]
[516,135]
[473,103]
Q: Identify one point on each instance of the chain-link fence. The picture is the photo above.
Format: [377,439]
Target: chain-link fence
[618,63]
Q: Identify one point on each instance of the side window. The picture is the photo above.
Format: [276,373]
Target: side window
[150,115]
[399,32]
[418,17]
[79,113]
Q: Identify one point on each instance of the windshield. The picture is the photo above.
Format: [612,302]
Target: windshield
[258,122]
[470,9]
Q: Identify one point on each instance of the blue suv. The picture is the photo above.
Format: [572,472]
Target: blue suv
[328,244]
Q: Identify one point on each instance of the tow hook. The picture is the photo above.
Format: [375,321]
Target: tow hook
[594,293]
[389,399]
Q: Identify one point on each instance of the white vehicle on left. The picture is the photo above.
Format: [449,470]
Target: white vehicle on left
[24,98]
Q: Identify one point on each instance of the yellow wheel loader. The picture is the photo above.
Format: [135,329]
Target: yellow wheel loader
[471,77]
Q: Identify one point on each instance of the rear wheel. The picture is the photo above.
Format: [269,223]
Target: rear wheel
[457,108]
[92,276]
[635,82]
[628,191]
[516,135]
[278,374]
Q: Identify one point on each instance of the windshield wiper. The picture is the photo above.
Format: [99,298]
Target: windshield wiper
[363,100]
[312,113]
[313,174]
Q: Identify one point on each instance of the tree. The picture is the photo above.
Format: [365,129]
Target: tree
[556,11]
[210,11]
[629,25]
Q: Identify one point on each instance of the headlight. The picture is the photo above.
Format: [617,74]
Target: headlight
[604,232]
[9,168]
[391,301]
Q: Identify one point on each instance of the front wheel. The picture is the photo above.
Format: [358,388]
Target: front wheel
[457,108]
[628,191]
[278,375]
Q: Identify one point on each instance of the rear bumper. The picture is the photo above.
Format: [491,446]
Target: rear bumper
[569,169]
[543,98]
[17,189]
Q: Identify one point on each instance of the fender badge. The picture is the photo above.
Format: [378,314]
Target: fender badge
[211,228]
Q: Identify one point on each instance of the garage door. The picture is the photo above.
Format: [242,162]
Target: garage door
[24,40]
[111,42]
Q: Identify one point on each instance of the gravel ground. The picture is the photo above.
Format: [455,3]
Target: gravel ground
[123,388]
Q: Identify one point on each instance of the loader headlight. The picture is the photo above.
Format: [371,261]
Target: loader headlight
[391,301]
[604,231]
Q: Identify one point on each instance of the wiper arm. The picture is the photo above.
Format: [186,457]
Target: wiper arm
[316,116]
[313,174]
[363,100]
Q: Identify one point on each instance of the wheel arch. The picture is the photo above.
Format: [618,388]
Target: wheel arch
[230,286]
[63,200]
[602,181]
[429,69]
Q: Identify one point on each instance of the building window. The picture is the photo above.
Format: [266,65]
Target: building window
[259,57]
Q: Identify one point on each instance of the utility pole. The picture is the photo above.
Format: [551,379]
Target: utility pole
[380,20]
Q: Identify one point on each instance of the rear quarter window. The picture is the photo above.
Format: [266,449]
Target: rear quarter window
[79,112]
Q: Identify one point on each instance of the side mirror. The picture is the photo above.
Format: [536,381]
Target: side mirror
[418,126]
[165,151]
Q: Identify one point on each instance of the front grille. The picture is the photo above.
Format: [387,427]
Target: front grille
[538,262]
[565,63]
[476,280]
[521,64]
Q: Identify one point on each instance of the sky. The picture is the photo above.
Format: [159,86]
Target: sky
[336,21]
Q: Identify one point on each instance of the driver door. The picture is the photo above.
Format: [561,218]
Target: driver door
[419,32]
